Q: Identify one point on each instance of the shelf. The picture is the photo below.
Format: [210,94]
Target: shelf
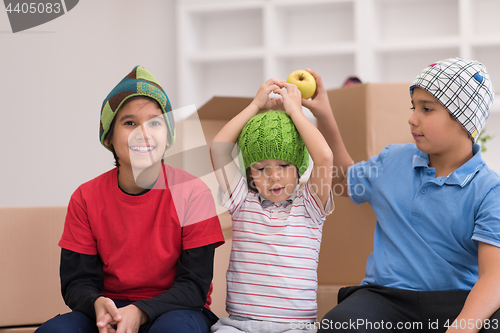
[404,66]
[302,3]
[313,24]
[217,28]
[230,47]
[490,56]
[486,41]
[485,22]
[334,69]
[218,56]
[334,49]
[241,78]
[418,44]
[398,20]
[216,6]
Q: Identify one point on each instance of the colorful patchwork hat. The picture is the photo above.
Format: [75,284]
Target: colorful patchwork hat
[139,82]
[463,87]
[272,135]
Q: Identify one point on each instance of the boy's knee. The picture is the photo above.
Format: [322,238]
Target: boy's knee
[72,322]
[180,321]
[337,319]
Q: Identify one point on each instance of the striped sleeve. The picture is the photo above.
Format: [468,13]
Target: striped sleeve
[313,204]
[234,197]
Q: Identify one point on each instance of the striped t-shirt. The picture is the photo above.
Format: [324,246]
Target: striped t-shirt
[272,269]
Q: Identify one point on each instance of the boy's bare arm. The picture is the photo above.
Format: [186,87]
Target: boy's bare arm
[224,141]
[321,154]
[319,105]
[484,298]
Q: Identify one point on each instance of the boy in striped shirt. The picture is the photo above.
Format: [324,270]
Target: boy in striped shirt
[277,222]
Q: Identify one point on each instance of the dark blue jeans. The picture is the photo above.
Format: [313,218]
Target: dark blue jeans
[178,321]
[373,308]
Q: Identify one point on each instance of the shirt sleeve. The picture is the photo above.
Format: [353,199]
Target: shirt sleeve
[314,206]
[191,284]
[362,176]
[234,198]
[77,234]
[487,223]
[81,281]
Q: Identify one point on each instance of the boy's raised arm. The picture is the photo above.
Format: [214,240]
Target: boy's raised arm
[223,143]
[320,107]
[321,176]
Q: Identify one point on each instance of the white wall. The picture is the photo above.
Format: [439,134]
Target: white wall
[53,80]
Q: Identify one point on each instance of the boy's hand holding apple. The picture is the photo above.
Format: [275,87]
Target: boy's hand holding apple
[305,81]
[319,105]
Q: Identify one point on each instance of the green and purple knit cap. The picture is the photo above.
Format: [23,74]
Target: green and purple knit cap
[139,82]
[272,135]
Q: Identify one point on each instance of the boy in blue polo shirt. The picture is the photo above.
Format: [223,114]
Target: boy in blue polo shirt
[436,260]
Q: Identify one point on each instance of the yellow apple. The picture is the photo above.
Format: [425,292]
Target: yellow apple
[304,81]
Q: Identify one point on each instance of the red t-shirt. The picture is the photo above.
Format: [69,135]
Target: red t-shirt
[140,238]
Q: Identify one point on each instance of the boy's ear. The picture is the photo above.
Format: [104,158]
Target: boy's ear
[108,143]
[169,141]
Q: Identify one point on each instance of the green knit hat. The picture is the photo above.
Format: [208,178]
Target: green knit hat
[272,135]
[139,82]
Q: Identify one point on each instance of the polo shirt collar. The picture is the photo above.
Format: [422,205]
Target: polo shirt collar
[268,203]
[461,176]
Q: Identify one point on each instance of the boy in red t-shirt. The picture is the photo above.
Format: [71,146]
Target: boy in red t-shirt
[139,240]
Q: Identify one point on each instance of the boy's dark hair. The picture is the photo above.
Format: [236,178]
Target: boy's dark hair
[250,181]
[112,126]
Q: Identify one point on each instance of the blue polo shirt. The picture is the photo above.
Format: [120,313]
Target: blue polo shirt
[427,228]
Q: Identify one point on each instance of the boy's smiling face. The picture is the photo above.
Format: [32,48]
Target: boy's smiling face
[274,179]
[434,130]
[139,135]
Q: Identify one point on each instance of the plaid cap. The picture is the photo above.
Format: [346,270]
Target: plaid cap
[139,82]
[463,87]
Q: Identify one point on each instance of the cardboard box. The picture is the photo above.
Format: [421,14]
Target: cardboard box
[370,117]
[18,330]
[29,275]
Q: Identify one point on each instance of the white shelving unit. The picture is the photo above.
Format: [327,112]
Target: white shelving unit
[230,47]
